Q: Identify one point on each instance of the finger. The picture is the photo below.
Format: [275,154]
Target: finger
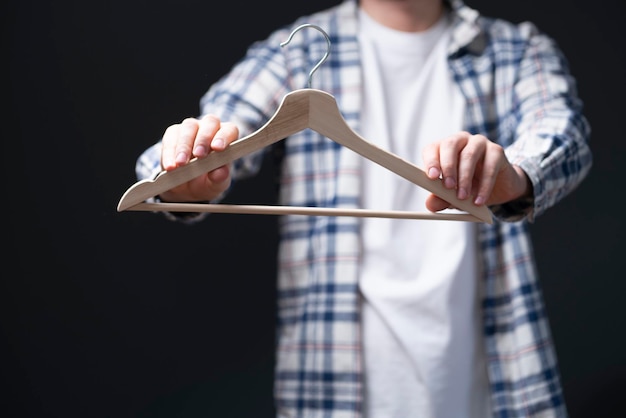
[227,133]
[211,185]
[219,178]
[168,150]
[469,158]
[207,127]
[493,162]
[186,137]
[435,204]
[430,156]
[449,158]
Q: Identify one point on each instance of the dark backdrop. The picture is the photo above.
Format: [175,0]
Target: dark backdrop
[108,314]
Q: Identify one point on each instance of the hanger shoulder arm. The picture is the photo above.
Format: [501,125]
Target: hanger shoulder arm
[326,119]
[291,116]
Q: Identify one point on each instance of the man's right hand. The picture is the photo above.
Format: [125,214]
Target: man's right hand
[197,138]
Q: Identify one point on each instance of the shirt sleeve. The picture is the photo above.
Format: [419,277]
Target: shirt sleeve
[552,135]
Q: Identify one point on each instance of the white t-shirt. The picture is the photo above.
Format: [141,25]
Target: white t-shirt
[421,330]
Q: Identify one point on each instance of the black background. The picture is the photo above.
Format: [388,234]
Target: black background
[108,314]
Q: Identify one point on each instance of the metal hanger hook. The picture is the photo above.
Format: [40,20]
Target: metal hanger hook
[309,25]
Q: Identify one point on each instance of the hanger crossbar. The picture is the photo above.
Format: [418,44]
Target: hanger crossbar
[300,210]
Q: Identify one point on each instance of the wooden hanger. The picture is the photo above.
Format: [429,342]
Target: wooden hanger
[300,109]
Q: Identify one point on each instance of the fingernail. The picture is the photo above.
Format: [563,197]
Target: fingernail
[181,158]
[449,182]
[462,193]
[433,173]
[200,151]
[479,200]
[217,143]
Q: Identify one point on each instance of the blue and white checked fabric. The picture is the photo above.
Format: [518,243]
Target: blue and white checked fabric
[519,94]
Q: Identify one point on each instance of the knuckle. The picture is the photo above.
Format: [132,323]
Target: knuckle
[450,141]
[189,120]
[230,128]
[468,156]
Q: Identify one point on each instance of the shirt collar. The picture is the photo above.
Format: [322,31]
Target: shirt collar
[466,32]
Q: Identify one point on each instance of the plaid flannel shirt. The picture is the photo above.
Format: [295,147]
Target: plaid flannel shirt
[519,94]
